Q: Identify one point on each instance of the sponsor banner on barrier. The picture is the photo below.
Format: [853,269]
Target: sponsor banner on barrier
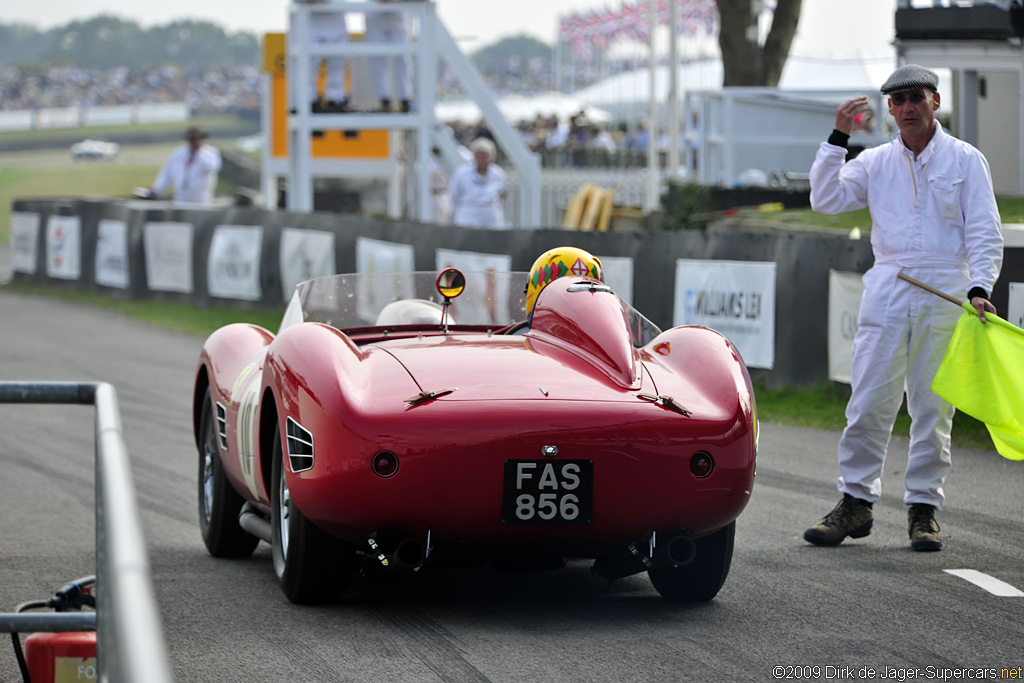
[233,267]
[387,258]
[478,268]
[844,293]
[1015,307]
[168,251]
[24,242]
[305,254]
[112,253]
[64,247]
[618,274]
[736,298]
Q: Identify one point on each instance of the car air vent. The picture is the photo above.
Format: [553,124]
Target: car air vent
[222,426]
[300,446]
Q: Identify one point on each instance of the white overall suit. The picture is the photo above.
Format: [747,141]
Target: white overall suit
[327,28]
[389,27]
[935,219]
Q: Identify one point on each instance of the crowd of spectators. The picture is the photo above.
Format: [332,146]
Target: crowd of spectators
[234,88]
[211,89]
[205,90]
[577,140]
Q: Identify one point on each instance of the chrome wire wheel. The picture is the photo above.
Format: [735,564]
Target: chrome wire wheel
[284,511]
[311,565]
[219,504]
[209,453]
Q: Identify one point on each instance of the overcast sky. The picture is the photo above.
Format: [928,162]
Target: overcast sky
[826,26]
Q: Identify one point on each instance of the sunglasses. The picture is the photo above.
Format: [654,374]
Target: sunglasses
[916,97]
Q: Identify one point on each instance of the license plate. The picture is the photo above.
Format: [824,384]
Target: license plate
[548,492]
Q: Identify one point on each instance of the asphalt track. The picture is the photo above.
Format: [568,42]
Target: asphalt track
[870,604]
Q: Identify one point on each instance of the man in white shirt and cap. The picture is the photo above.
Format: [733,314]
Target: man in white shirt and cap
[191,170]
[934,217]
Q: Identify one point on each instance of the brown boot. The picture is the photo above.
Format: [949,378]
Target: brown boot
[852,517]
[922,527]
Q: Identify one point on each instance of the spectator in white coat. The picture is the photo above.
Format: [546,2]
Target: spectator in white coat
[191,170]
[390,27]
[440,190]
[478,190]
[327,28]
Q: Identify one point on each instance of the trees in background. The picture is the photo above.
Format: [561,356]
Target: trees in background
[745,61]
[106,41]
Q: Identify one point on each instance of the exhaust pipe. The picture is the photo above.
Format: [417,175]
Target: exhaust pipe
[679,550]
[409,553]
[250,519]
[620,564]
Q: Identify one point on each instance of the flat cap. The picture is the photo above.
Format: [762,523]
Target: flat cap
[909,77]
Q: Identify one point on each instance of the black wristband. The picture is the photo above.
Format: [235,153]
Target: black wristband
[838,138]
[976,291]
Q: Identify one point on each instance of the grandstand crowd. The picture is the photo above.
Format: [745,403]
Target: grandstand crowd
[212,90]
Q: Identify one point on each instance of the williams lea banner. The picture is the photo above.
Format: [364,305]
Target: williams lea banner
[736,298]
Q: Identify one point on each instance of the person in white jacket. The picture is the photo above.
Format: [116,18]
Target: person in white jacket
[327,28]
[934,217]
[390,27]
[191,170]
[478,189]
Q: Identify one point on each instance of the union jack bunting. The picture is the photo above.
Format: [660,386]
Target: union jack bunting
[599,28]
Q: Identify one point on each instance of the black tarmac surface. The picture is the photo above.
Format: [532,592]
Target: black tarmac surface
[866,610]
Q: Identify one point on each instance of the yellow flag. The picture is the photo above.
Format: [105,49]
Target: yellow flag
[982,374]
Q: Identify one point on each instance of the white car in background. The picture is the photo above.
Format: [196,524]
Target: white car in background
[97,150]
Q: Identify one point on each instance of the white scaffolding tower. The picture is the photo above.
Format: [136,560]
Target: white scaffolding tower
[432,45]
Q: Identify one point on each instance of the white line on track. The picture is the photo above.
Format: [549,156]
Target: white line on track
[989,583]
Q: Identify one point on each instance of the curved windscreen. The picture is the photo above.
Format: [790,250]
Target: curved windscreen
[490,299]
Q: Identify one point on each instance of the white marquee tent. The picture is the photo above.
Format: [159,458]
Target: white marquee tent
[626,95]
[524,107]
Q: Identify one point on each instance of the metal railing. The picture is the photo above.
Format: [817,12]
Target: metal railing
[130,644]
[434,43]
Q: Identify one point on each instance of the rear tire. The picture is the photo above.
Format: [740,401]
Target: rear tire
[219,504]
[311,565]
[701,579]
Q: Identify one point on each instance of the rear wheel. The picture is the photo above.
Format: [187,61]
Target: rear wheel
[311,565]
[701,579]
[219,504]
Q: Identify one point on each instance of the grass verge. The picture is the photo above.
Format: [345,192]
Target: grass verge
[822,406]
[1011,210]
[87,179]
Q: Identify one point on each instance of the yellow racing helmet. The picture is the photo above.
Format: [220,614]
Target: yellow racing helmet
[556,263]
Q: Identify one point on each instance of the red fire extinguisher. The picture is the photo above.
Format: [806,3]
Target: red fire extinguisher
[60,657]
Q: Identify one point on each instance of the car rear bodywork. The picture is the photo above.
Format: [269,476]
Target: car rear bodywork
[586,434]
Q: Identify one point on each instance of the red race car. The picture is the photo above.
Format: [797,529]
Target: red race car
[389,425]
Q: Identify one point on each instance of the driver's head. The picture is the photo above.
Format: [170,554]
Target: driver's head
[556,263]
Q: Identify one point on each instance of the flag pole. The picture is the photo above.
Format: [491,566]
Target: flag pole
[928,288]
